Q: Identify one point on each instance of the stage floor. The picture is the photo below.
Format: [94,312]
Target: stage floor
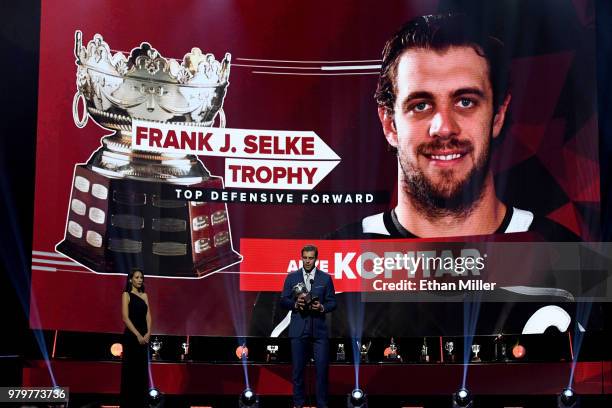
[488,401]
[383,379]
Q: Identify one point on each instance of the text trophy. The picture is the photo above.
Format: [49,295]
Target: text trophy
[118,217]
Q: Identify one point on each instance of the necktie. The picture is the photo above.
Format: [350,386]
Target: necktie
[307,280]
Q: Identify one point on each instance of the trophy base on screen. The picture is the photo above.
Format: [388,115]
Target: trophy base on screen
[114,225]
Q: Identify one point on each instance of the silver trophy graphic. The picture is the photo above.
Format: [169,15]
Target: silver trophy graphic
[500,349]
[449,346]
[271,353]
[424,351]
[340,353]
[118,217]
[156,345]
[476,350]
[185,353]
[364,349]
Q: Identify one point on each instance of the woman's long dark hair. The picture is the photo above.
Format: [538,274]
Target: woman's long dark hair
[128,284]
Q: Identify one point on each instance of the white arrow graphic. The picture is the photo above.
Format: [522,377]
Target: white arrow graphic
[228,142]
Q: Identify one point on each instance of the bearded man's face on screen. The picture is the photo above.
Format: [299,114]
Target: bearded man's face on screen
[442,125]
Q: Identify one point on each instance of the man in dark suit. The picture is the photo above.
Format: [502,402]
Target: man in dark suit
[308,327]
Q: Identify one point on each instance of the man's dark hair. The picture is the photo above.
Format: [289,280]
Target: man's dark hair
[439,32]
[308,248]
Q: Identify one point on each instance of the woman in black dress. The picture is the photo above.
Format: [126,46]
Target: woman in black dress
[137,318]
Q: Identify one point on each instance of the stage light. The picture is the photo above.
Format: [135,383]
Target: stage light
[567,399]
[248,398]
[116,350]
[357,399]
[462,399]
[155,398]
[60,393]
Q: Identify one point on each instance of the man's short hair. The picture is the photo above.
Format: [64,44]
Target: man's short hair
[439,32]
[309,248]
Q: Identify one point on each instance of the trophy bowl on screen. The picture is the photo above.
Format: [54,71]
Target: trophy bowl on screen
[118,218]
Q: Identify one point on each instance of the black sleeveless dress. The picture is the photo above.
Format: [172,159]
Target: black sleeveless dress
[135,364]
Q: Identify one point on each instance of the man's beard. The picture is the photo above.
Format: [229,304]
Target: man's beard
[448,197]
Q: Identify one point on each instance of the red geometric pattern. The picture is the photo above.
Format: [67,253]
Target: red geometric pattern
[544,135]
[568,217]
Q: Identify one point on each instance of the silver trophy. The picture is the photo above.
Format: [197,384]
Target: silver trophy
[501,352]
[424,351]
[340,353]
[185,347]
[299,289]
[364,349]
[500,349]
[476,350]
[118,217]
[449,347]
[156,345]
[271,353]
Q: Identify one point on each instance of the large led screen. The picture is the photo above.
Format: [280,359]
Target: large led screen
[207,142]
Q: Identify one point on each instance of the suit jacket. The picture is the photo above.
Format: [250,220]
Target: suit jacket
[323,287]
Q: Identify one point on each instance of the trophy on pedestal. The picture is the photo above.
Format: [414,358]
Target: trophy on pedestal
[391,352]
[185,353]
[449,347]
[242,352]
[340,353]
[156,346]
[271,353]
[424,352]
[118,217]
[476,350]
[500,349]
[364,349]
